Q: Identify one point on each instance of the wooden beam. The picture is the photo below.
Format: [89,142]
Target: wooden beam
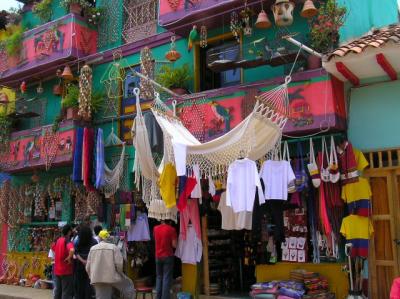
[386,66]
[349,75]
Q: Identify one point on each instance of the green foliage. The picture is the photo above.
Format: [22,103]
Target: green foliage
[43,10]
[71,98]
[324,33]
[170,77]
[97,101]
[94,15]
[5,127]
[66,3]
[11,38]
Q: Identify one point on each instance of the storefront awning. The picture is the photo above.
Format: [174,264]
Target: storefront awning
[371,56]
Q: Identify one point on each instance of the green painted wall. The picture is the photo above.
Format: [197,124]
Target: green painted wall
[366,14]
[30,20]
[374,116]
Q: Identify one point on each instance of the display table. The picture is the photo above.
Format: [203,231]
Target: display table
[337,278]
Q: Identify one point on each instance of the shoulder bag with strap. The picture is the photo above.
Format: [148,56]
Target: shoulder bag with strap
[313,167]
[300,172]
[286,157]
[325,175]
[333,163]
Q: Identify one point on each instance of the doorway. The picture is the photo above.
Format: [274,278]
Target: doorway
[384,246]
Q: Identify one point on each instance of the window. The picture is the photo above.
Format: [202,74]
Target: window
[140,19]
[227,51]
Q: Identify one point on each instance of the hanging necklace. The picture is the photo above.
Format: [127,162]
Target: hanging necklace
[49,147]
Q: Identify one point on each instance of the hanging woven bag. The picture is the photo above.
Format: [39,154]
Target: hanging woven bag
[313,167]
[334,174]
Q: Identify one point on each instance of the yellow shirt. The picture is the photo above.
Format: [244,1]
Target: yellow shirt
[357,230]
[356,191]
[168,185]
[362,163]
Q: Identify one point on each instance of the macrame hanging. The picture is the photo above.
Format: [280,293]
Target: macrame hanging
[93,201]
[112,177]
[49,147]
[203,36]
[85,92]
[147,69]
[113,81]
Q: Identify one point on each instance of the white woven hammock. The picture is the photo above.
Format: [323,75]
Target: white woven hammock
[257,135]
[112,177]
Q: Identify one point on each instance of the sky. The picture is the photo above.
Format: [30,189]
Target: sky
[6,4]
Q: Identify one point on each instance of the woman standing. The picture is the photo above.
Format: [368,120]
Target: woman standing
[83,289]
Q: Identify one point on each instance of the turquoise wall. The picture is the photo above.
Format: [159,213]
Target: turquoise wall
[366,14]
[374,120]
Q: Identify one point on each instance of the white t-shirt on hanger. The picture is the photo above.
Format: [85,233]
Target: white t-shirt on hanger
[243,179]
[276,176]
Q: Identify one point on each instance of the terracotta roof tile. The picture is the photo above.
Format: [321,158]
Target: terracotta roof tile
[376,39]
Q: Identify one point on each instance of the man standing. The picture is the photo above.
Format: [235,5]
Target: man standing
[165,241]
[63,252]
[105,269]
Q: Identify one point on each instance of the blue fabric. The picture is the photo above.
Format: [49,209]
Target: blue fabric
[99,159]
[164,275]
[4,177]
[77,166]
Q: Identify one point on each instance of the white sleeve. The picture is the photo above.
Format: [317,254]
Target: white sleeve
[290,174]
[229,183]
[263,175]
[178,250]
[180,158]
[211,186]
[261,197]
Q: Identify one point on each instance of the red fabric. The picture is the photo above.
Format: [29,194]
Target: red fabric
[164,234]
[191,182]
[348,165]
[61,253]
[87,153]
[395,291]
[190,214]
[326,225]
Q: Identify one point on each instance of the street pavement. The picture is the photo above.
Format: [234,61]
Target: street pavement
[16,292]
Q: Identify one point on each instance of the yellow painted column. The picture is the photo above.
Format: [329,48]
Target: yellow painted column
[189,279]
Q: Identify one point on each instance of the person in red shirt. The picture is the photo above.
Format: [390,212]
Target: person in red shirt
[63,268]
[165,241]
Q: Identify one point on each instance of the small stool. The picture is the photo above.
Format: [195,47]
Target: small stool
[143,291]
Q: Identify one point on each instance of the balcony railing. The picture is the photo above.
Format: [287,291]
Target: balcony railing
[39,147]
[44,47]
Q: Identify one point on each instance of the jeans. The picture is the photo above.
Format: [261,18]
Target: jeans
[64,287]
[164,270]
[125,287]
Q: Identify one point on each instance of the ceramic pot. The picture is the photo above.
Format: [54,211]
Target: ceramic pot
[57,90]
[75,8]
[314,62]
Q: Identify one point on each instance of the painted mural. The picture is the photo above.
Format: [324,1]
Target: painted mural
[39,147]
[62,38]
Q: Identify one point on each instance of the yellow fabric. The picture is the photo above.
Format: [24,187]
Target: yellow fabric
[362,163]
[356,191]
[168,185]
[356,227]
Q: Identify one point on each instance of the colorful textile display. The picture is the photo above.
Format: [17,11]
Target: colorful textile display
[99,159]
[357,230]
[87,154]
[77,165]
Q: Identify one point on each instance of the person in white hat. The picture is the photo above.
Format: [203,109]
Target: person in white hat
[105,269]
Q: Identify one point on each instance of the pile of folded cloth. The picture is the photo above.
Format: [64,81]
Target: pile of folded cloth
[316,286]
[287,289]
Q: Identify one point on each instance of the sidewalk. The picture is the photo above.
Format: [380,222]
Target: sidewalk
[16,292]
